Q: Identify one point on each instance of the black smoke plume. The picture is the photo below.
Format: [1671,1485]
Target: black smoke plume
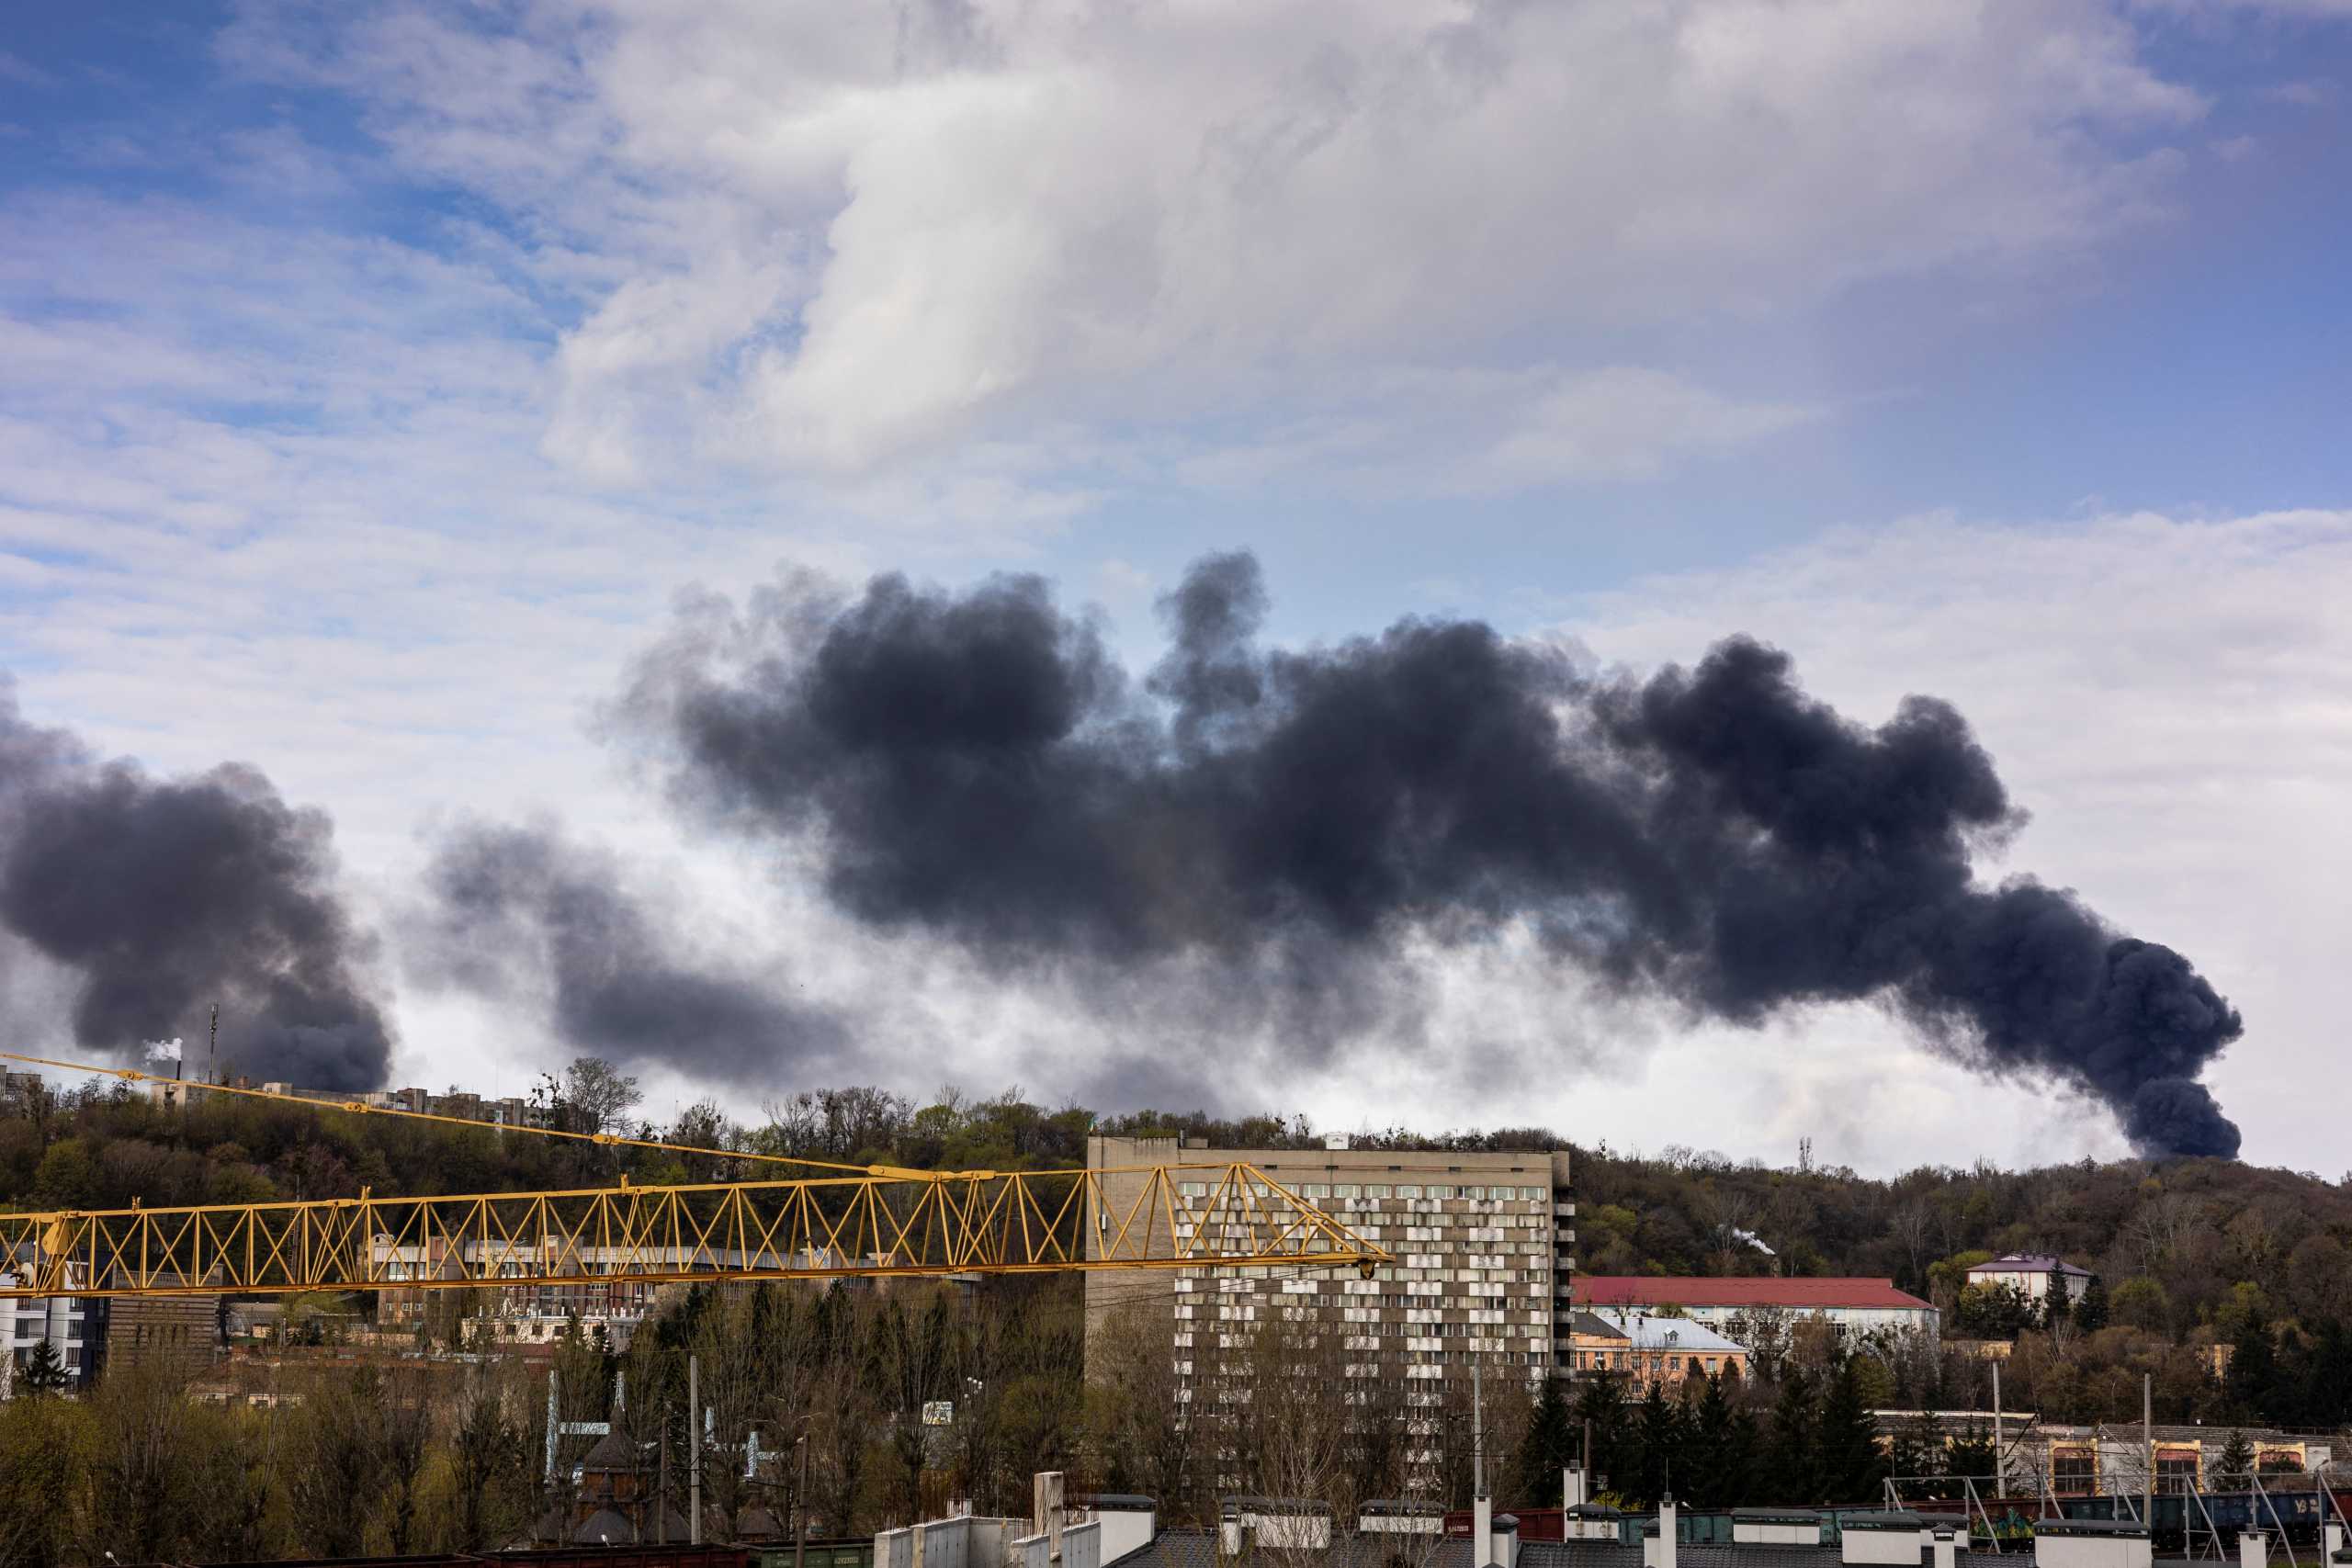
[164,896]
[977,767]
[525,913]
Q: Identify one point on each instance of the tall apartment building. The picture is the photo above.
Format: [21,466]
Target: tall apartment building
[1483,1247]
[66,1322]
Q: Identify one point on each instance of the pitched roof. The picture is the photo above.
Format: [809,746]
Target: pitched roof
[1691,1291]
[1642,1331]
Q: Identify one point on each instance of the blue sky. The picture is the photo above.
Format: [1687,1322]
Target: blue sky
[377,374]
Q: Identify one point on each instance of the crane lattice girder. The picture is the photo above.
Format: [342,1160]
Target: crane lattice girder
[893,1223]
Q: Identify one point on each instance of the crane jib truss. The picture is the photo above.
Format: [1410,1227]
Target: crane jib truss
[889,1222]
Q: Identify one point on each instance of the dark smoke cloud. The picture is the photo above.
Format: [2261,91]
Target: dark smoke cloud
[522,912]
[977,766]
[164,897]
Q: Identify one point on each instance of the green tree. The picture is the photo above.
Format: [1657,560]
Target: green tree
[67,1176]
[1547,1447]
[1658,1444]
[1788,1467]
[1722,1450]
[1915,1453]
[1600,1410]
[45,1450]
[2090,1313]
[44,1370]
[2253,1384]
[1847,1461]
[596,1095]
[1970,1456]
[2236,1461]
[2143,1302]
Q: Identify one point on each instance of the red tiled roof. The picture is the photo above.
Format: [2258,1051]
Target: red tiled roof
[1643,1290]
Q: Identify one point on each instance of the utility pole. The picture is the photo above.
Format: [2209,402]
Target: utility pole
[1478,1434]
[2148,1438]
[1998,1467]
[800,1509]
[694,1451]
[212,1051]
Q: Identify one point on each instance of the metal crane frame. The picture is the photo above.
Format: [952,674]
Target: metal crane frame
[888,1223]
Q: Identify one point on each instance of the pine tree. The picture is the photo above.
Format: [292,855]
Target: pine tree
[1742,1464]
[1849,1465]
[1711,1483]
[2236,1461]
[1788,1463]
[2057,1305]
[1600,1406]
[1658,1435]
[1971,1457]
[1548,1447]
[2253,1381]
[1915,1454]
[2090,1313]
[45,1370]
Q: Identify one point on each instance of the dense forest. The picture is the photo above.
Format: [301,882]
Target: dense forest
[2191,1255]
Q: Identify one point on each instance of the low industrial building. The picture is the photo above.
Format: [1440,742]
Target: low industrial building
[1858,1310]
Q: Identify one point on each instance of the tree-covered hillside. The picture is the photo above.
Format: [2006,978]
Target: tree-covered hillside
[2190,1253]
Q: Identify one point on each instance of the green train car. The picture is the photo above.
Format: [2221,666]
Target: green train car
[856,1552]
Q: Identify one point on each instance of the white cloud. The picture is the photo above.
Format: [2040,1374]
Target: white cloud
[839,235]
[1623,422]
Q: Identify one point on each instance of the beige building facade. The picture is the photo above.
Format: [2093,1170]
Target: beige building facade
[1483,1243]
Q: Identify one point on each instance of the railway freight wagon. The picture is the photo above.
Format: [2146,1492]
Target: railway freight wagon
[2183,1520]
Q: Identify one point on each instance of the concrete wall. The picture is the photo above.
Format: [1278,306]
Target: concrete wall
[2091,1551]
[1123,1531]
[945,1543]
[1082,1545]
[1881,1546]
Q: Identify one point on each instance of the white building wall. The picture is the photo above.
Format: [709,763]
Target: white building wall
[1861,1320]
[63,1321]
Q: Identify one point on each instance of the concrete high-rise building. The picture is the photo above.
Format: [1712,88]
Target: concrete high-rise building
[63,1321]
[1484,1246]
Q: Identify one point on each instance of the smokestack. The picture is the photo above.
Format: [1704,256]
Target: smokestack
[978,767]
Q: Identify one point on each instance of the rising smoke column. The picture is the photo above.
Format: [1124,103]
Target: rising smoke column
[164,897]
[523,912]
[977,766]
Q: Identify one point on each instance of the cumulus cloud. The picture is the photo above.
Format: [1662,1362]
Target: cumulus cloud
[860,232]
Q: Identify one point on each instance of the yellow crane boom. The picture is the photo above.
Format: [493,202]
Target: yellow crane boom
[857,1220]
[830,1228]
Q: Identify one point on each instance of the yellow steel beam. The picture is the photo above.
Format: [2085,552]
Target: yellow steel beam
[830,1228]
